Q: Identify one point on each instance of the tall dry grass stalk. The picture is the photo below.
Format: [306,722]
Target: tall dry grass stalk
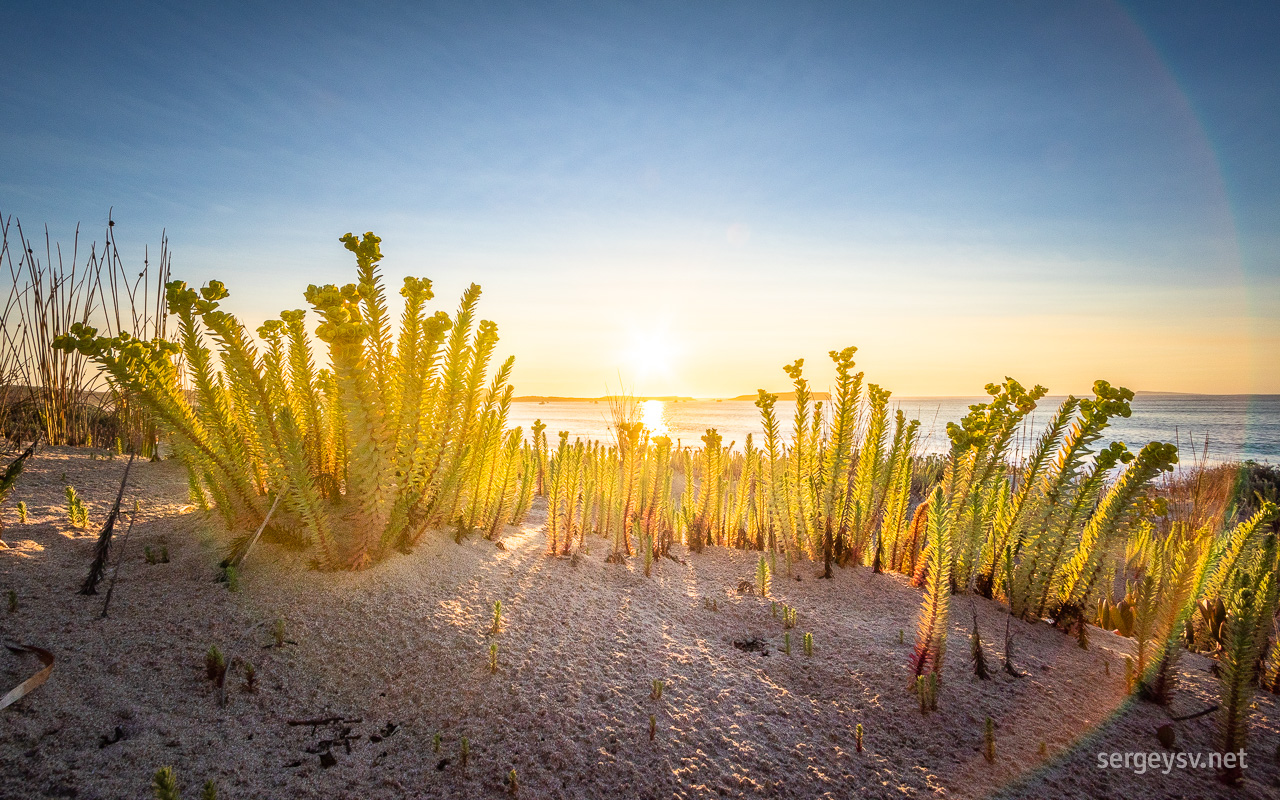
[62,394]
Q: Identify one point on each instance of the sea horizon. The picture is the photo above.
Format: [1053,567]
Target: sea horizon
[1213,428]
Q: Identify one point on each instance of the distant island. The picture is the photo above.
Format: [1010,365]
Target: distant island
[825,397]
[670,398]
[537,398]
[822,396]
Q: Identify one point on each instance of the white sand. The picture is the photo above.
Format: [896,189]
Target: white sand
[406,642]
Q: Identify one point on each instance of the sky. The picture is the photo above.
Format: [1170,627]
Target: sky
[679,198]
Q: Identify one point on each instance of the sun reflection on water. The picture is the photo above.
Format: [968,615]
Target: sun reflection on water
[654,416]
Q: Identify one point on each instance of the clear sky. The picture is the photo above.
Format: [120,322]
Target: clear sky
[686,196]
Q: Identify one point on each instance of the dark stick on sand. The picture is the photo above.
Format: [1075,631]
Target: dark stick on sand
[99,564]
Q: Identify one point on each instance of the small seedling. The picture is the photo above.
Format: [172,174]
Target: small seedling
[77,511]
[788,617]
[164,554]
[764,582]
[808,644]
[215,666]
[857,737]
[13,601]
[497,618]
[277,632]
[231,577]
[164,784]
[210,790]
[1044,749]
[464,752]
[653,726]
[250,677]
[989,741]
[773,608]
[1106,666]
[513,783]
[22,511]
[150,555]
[900,636]
[656,693]
[493,657]
[435,743]
[786,642]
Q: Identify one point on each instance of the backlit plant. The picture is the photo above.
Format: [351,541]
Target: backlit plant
[410,429]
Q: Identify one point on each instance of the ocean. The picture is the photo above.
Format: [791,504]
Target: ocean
[1215,428]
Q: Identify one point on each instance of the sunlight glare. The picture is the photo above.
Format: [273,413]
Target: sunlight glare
[654,416]
[650,354]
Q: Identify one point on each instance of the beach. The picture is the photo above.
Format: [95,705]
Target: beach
[375,665]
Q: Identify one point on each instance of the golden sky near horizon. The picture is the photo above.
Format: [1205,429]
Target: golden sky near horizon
[674,199]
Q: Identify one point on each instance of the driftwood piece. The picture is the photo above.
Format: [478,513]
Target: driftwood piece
[30,684]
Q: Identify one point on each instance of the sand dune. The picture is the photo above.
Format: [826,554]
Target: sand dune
[398,654]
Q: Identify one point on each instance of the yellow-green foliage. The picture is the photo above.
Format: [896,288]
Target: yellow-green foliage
[400,433]
[1248,621]
[931,631]
[164,785]
[1164,599]
[707,519]
[77,512]
[837,514]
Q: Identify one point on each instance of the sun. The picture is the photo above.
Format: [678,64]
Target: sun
[650,354]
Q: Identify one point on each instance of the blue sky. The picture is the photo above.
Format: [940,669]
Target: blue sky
[686,196]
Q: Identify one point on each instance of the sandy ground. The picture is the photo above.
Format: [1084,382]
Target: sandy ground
[400,654]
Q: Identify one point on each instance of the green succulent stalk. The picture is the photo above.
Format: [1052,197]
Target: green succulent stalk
[164,784]
[1082,569]
[370,480]
[800,489]
[1249,618]
[779,519]
[838,454]
[869,476]
[931,631]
